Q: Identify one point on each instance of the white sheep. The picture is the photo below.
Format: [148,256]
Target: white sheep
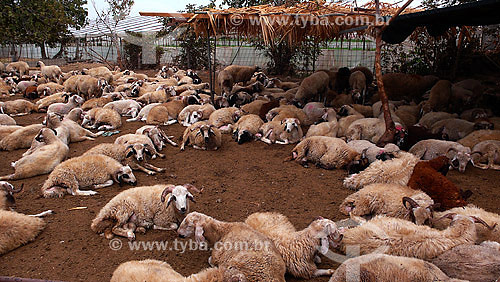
[247,128]
[325,152]
[202,136]
[43,159]
[389,200]
[64,108]
[132,139]
[142,208]
[286,131]
[50,72]
[143,113]
[432,148]
[6,120]
[486,151]
[261,261]
[154,270]
[371,129]
[157,136]
[21,138]
[299,249]
[68,130]
[124,107]
[396,171]
[97,171]
[49,88]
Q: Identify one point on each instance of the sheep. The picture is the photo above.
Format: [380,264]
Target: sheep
[5,130]
[100,72]
[371,150]
[428,176]
[486,151]
[50,88]
[6,120]
[357,83]
[50,72]
[102,101]
[68,130]
[234,74]
[21,67]
[142,208]
[345,122]
[62,109]
[395,236]
[476,113]
[247,128]
[483,233]
[455,129]
[21,138]
[285,85]
[224,118]
[157,136]
[429,149]
[123,154]
[202,136]
[288,111]
[160,95]
[124,107]
[395,171]
[5,88]
[7,191]
[399,85]
[479,136]
[325,152]
[315,111]
[194,113]
[377,108]
[286,131]
[17,107]
[298,249]
[131,139]
[262,263]
[45,102]
[439,97]
[381,267]
[418,133]
[18,229]
[389,200]
[154,270]
[143,113]
[159,115]
[85,85]
[42,160]
[312,87]
[98,171]
[431,118]
[372,129]
[328,128]
[102,119]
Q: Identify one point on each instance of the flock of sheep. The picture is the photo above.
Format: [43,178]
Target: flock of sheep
[408,220]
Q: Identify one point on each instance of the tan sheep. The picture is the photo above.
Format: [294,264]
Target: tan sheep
[313,87]
[18,107]
[6,120]
[124,107]
[5,130]
[100,72]
[194,113]
[103,119]
[431,118]
[159,115]
[21,67]
[45,102]
[50,88]
[345,122]
[439,97]
[132,139]
[246,128]
[326,152]
[286,131]
[401,85]
[202,136]
[329,127]
[68,130]
[50,72]
[97,171]
[101,101]
[455,128]
[234,74]
[479,136]
[21,138]
[225,118]
[486,151]
[42,160]
[155,270]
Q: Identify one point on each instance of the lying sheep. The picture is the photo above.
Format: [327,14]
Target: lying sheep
[287,111]
[377,109]
[381,267]
[482,263]
[390,200]
[68,130]
[455,129]
[431,118]
[159,115]
[102,119]
[371,151]
[439,97]
[18,107]
[50,88]
[143,114]
[312,87]
[202,136]
[479,136]
[95,171]
[157,136]
[62,109]
[21,67]
[42,160]
[298,249]
[142,208]
[326,152]
[131,139]
[102,101]
[21,138]
[395,171]
[266,262]
[234,74]
[123,154]
[486,151]
[124,107]
[372,129]
[45,102]
[18,229]
[395,236]
[329,127]
[429,149]
[399,85]
[345,122]
[194,113]
[100,72]
[5,130]
[224,118]
[247,128]
[154,270]
[6,120]
[286,131]
[50,72]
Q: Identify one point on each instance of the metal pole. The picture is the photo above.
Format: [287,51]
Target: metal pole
[210,64]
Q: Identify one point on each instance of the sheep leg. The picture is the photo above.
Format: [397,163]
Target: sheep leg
[317,259]
[143,169]
[105,127]
[172,121]
[126,230]
[285,142]
[103,185]
[323,272]
[152,167]
[199,148]
[133,119]
[172,226]
[42,214]
[79,192]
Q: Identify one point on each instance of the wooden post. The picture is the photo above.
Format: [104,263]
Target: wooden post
[210,65]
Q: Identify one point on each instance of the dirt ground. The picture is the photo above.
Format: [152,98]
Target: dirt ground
[237,180]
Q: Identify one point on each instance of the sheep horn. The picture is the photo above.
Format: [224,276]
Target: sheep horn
[13,191]
[165,192]
[478,220]
[191,188]
[412,202]
[477,152]
[434,206]
[448,216]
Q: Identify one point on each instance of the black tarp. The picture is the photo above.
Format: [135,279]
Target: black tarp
[437,21]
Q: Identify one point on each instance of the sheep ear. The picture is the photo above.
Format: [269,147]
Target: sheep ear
[165,192]
[323,248]
[198,234]
[190,197]
[466,194]
[130,153]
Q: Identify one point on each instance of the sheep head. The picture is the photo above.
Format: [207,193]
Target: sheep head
[419,215]
[290,124]
[180,195]
[194,224]
[327,233]
[459,159]
[125,175]
[400,136]
[8,190]
[458,217]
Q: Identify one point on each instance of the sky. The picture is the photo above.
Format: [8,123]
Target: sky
[176,5]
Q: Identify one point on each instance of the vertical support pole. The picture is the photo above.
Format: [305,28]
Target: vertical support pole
[210,64]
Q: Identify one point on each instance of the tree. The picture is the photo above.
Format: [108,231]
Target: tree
[117,11]
[40,22]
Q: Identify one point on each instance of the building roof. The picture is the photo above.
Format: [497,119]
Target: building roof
[133,23]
